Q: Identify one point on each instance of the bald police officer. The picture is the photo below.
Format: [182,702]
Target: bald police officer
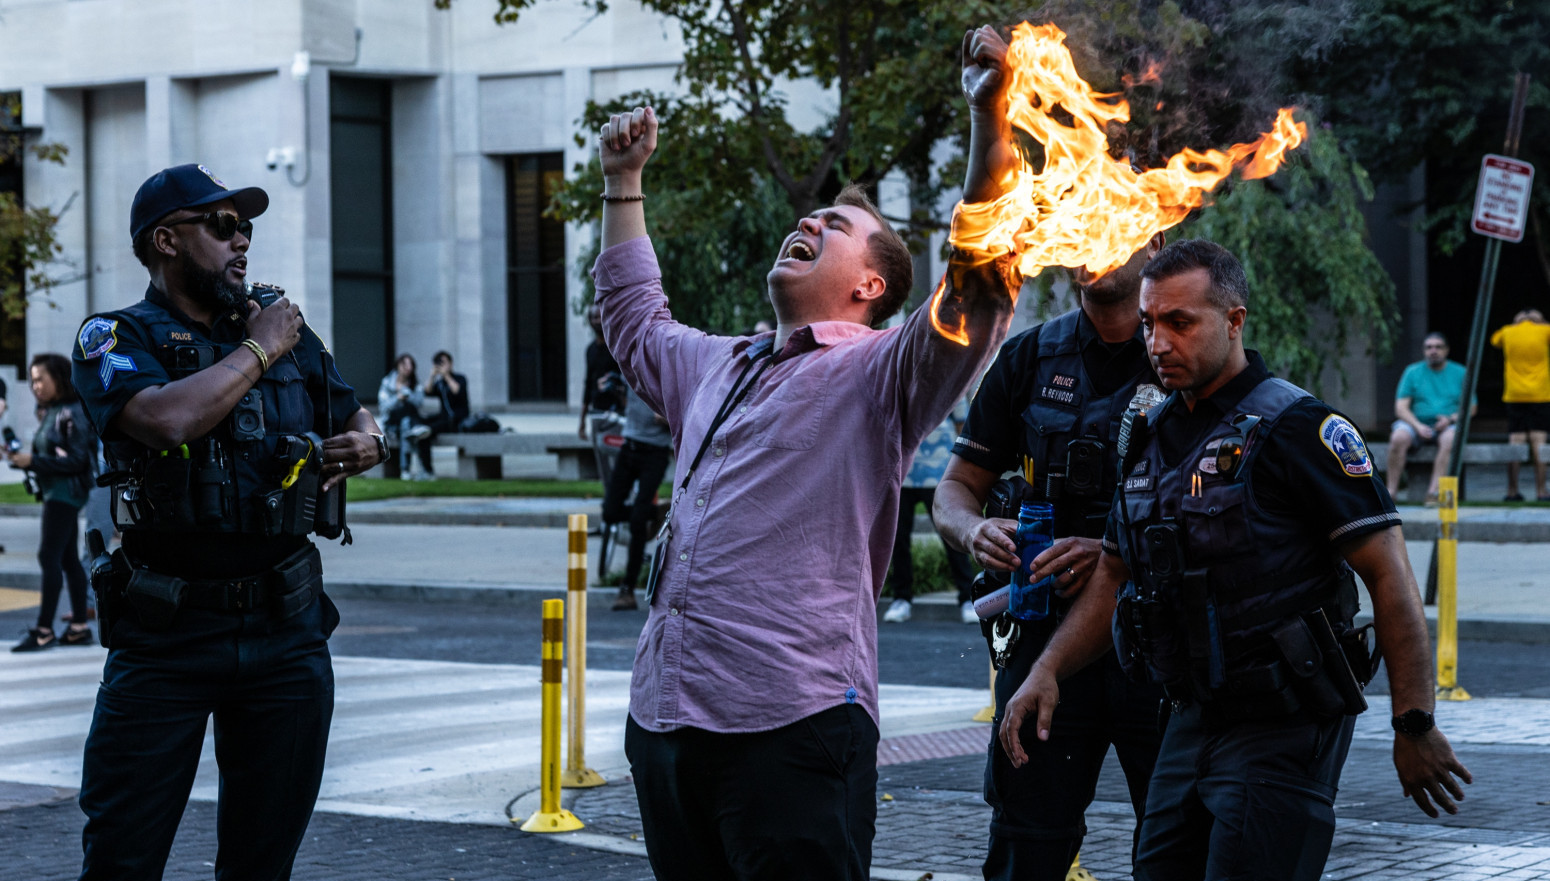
[228,434]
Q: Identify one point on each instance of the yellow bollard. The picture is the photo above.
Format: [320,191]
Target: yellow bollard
[989,713]
[551,817]
[1448,688]
[577,775]
[1077,873]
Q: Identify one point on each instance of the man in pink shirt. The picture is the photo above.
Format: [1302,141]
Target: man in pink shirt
[753,705]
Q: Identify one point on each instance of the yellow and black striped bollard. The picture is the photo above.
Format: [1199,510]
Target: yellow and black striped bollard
[551,817]
[577,775]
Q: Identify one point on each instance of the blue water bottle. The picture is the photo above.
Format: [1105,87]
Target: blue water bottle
[1035,535]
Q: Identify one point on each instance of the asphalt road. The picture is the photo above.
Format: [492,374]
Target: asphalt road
[920,652]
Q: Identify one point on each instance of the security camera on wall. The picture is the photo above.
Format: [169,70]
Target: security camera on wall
[280,157]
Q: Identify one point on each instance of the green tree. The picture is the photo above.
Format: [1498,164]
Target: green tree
[733,171]
[1431,81]
[29,241]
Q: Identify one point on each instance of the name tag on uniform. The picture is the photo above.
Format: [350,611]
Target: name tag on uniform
[1138,483]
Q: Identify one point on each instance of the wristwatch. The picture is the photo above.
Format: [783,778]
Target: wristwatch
[383,452]
[1414,723]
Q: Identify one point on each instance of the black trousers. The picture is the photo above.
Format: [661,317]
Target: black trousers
[638,463]
[798,802]
[901,573]
[1037,819]
[60,565]
[1253,800]
[269,685]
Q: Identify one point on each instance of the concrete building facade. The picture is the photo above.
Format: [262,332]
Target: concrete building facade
[407,153]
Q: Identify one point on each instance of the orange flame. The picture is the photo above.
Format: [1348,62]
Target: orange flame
[1086,208]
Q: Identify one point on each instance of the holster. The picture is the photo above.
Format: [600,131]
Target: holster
[1321,674]
[155,598]
[109,578]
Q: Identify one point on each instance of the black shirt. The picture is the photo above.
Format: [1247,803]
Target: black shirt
[453,404]
[600,363]
[992,437]
[1298,472]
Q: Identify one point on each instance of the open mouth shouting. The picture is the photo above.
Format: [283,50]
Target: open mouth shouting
[800,250]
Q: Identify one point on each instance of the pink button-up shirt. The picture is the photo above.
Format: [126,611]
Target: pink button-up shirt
[766,610]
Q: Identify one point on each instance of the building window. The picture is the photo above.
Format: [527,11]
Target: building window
[13,331]
[535,279]
[361,193]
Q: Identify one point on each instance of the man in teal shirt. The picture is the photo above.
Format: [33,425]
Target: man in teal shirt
[1426,407]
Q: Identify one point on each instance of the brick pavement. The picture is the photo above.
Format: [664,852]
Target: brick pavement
[930,817]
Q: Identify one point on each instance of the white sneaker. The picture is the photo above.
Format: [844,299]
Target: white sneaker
[416,432]
[898,612]
[967,614]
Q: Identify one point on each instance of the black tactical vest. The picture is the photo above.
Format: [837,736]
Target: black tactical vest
[1213,573]
[1064,408]
[233,480]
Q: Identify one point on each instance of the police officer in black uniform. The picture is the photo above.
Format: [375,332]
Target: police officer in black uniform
[228,435]
[1245,506]
[1055,398]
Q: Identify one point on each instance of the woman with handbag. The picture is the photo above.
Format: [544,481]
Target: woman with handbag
[62,461]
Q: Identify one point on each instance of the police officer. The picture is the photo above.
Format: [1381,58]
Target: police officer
[1055,398]
[1241,516]
[228,434]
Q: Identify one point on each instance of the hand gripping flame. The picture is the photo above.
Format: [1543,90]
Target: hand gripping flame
[1085,208]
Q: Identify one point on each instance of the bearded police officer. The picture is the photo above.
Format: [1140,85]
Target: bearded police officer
[1055,399]
[1245,505]
[228,435]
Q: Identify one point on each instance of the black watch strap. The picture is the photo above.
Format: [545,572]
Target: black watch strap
[1414,723]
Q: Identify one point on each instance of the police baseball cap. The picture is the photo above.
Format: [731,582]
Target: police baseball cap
[188,186]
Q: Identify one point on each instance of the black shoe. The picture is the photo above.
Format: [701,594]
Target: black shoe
[625,601]
[35,641]
[1513,497]
[72,636]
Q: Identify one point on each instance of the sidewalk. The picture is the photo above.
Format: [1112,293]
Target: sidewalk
[493,550]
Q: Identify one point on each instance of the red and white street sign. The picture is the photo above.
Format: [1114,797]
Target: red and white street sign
[1501,202]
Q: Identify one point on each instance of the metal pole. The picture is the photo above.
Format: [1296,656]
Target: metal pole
[1493,253]
[551,817]
[1493,250]
[1447,597]
[577,775]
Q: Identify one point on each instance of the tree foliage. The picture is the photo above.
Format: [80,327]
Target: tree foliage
[1431,81]
[733,169]
[29,241]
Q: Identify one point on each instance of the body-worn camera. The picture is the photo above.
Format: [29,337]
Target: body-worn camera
[1165,555]
[247,418]
[1084,467]
[189,360]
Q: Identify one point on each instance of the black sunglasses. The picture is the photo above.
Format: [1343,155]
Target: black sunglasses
[1229,450]
[222,224]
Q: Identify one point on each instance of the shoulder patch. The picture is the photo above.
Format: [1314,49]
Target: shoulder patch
[113,365]
[1342,439]
[98,337]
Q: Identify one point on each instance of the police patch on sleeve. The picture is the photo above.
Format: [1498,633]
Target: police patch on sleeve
[1342,439]
[113,365]
[98,337]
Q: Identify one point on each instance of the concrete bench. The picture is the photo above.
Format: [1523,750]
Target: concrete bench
[1418,461]
[479,455]
[576,459]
